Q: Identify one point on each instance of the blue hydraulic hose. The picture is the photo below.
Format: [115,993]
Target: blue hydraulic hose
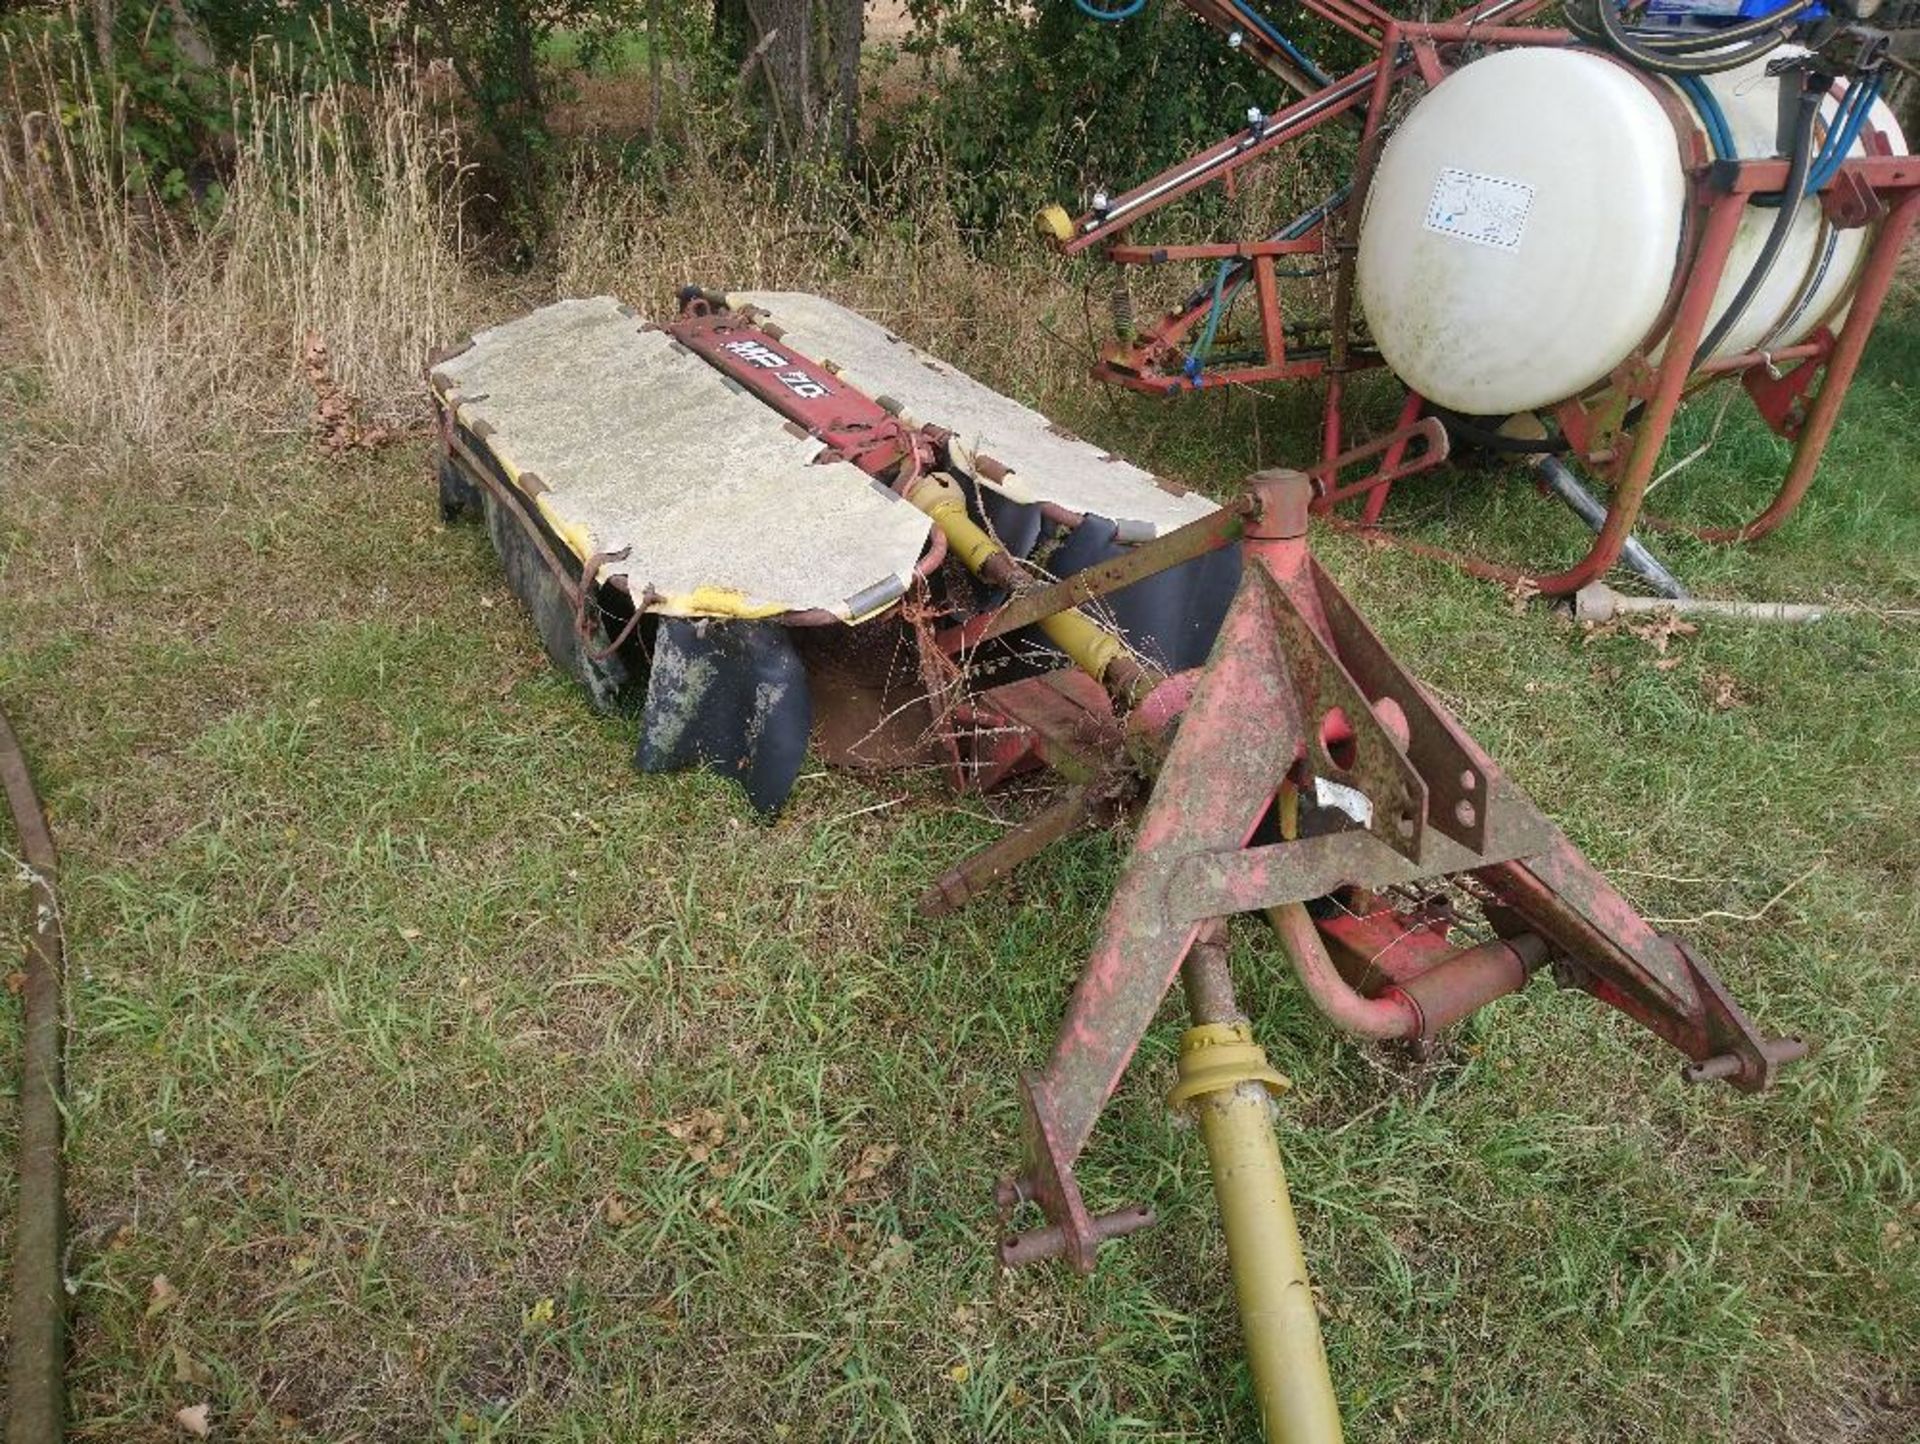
[1848,121]
[1280,42]
[1861,96]
[1222,301]
[1125,12]
[1711,115]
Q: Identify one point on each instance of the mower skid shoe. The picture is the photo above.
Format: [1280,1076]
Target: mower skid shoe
[731,697]
[602,674]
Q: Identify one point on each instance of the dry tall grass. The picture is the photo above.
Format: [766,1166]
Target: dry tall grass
[342,218]
[154,332]
[1001,306]
[894,250]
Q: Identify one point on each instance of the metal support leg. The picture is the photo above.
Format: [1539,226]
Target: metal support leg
[1875,280]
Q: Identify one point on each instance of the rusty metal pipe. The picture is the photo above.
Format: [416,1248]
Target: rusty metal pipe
[1471,979]
[1391,1015]
[36,1351]
[1418,1008]
[1050,1240]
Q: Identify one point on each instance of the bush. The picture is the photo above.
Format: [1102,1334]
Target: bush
[160,326]
[1044,103]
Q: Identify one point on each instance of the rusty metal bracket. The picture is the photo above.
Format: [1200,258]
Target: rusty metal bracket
[1071,1232]
[1195,539]
[1347,743]
[1457,785]
[1253,879]
[976,872]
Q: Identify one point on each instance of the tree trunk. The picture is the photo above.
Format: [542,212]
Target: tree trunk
[849,34]
[786,30]
[811,63]
[104,18]
[656,46]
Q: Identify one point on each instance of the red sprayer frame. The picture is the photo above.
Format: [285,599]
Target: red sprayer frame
[1617,432]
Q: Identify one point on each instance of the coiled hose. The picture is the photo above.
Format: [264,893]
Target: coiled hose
[37,1349]
[1676,55]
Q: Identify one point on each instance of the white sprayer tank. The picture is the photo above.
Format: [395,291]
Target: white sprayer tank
[1522,231]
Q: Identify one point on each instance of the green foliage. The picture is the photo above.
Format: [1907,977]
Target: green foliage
[1047,98]
[497,49]
[235,28]
[169,109]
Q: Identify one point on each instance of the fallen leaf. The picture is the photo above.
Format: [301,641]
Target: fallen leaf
[618,1214]
[411,935]
[540,1314]
[1661,629]
[1723,690]
[893,1258]
[1666,664]
[960,1373]
[702,1130]
[16,980]
[189,1370]
[872,1161]
[196,1421]
[1523,591]
[161,1296]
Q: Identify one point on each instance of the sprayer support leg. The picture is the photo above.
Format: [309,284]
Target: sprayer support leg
[1226,1085]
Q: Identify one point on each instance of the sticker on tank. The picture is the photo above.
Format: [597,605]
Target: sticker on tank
[1484,209]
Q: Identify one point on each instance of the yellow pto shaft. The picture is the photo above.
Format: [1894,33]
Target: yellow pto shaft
[1088,645]
[1226,1086]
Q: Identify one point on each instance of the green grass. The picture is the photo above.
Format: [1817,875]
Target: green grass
[468,1086]
[616,54]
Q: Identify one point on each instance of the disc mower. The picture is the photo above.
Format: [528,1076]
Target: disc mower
[955,581]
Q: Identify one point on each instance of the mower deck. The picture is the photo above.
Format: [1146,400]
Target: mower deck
[1185,663]
[700,496]
[1010,448]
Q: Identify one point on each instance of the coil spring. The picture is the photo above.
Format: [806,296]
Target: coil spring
[1122,309]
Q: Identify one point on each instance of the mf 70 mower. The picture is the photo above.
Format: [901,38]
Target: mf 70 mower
[957,581]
